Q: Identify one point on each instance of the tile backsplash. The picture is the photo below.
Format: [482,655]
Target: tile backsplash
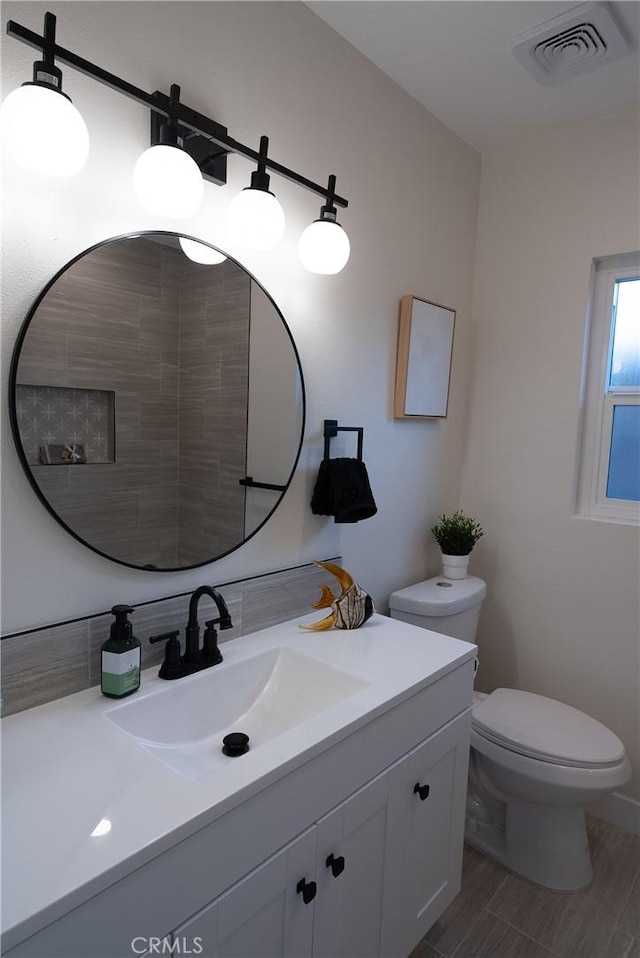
[50,662]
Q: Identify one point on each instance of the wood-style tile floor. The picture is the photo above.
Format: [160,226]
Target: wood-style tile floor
[499,915]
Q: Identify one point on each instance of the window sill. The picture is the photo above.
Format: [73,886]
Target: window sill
[615,520]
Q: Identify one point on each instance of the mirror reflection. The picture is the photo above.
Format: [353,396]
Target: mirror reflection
[157,403]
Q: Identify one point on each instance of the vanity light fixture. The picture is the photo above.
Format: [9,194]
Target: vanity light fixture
[39,125]
[200,253]
[166,179]
[183,134]
[254,217]
[324,246]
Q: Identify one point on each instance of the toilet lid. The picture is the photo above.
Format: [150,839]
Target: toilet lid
[545,729]
[439,596]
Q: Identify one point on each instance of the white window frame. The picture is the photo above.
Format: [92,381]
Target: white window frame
[598,401]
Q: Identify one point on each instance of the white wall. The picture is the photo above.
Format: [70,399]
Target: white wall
[562,614]
[277,69]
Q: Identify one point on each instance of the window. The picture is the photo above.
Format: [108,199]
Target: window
[610,466]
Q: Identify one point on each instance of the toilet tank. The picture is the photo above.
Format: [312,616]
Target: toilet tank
[450,606]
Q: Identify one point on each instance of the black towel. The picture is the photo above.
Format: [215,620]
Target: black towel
[342,490]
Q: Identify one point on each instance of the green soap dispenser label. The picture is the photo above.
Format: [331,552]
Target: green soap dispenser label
[120,672]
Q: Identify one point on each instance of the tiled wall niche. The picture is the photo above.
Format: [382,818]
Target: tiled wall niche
[59,415]
[48,663]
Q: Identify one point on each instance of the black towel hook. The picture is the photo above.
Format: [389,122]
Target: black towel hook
[331,430]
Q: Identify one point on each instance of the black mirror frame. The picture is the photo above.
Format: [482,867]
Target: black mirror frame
[13,415]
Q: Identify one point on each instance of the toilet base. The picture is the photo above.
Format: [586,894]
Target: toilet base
[548,845]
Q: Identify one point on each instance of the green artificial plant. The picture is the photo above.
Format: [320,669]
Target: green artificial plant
[456,534]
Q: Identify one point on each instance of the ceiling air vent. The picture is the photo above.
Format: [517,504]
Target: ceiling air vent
[582,39]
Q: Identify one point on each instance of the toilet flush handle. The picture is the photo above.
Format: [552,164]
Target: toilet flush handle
[421,790]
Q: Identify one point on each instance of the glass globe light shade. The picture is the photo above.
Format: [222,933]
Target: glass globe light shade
[199,253]
[168,182]
[255,219]
[324,247]
[43,131]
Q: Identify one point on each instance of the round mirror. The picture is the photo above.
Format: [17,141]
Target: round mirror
[157,403]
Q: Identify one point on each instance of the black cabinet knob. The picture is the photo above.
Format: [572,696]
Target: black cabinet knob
[421,790]
[336,864]
[307,889]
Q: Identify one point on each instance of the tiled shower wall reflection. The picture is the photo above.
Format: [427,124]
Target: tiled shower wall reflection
[49,663]
[166,341]
[215,309]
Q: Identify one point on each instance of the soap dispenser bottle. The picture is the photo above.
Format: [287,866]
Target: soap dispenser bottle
[120,657]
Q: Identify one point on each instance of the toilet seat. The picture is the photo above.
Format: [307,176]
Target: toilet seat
[548,731]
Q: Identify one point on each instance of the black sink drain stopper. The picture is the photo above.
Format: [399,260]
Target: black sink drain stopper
[235,744]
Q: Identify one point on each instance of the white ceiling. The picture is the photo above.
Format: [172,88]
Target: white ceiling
[454,57]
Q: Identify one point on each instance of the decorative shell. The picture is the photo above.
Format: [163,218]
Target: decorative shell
[350,610]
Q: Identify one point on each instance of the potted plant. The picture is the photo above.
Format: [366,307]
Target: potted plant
[456,534]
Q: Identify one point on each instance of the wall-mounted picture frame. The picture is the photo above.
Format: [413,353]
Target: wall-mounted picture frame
[423,366]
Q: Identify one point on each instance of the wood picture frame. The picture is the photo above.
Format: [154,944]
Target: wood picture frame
[423,365]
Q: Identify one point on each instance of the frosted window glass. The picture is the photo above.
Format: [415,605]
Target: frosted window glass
[625,356]
[624,462]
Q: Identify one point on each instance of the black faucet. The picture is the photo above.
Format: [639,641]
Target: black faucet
[175,665]
[192,650]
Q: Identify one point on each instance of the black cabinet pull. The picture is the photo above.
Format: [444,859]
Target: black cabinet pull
[335,864]
[307,889]
[421,790]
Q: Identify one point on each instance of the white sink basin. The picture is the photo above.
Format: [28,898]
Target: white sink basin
[183,723]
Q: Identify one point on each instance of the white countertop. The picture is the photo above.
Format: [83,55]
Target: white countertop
[66,768]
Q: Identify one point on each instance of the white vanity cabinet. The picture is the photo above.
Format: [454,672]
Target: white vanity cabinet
[348,844]
[428,796]
[369,879]
[350,907]
[402,852]
[295,904]
[262,915]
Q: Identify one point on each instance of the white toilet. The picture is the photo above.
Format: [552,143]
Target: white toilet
[534,762]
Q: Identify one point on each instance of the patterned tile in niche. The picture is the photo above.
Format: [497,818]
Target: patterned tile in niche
[50,415]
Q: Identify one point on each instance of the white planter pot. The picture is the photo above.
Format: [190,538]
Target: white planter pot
[455,567]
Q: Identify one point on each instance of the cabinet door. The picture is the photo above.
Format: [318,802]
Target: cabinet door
[263,914]
[350,865]
[427,802]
